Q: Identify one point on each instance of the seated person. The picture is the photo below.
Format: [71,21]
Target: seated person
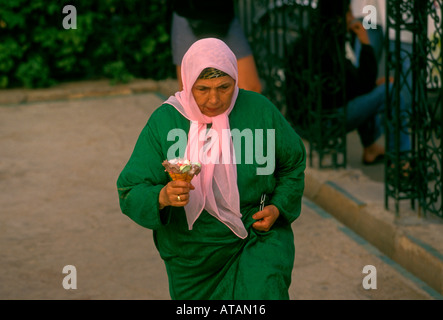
[364,95]
[365,98]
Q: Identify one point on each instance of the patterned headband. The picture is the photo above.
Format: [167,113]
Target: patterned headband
[210,73]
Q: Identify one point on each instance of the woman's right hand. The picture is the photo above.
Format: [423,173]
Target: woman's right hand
[175,193]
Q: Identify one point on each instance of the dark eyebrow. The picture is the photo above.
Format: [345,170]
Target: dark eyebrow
[223,84]
[200,86]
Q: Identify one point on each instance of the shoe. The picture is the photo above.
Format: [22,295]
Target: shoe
[379,159]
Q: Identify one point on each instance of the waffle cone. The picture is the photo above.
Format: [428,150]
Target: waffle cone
[181,176]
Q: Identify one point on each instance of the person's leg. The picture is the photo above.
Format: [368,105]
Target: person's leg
[406,72]
[248,78]
[406,88]
[362,114]
[364,108]
[401,126]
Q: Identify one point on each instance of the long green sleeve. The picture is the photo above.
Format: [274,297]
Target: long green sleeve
[137,184]
[143,177]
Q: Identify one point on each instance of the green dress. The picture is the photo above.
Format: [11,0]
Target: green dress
[210,261]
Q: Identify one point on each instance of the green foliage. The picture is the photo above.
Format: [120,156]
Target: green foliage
[116,39]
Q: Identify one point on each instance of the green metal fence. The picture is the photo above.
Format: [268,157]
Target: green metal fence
[290,38]
[414,59]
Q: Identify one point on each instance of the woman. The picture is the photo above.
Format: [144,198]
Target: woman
[196,19]
[214,239]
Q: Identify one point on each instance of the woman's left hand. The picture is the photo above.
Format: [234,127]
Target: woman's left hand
[266,218]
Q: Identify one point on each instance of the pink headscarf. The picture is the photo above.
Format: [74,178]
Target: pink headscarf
[216,186]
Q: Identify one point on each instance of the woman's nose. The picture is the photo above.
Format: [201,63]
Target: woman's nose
[213,97]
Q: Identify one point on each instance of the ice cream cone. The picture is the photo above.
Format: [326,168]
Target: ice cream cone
[181,169]
[181,176]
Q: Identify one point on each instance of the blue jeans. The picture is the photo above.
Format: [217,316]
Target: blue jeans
[363,114]
[406,71]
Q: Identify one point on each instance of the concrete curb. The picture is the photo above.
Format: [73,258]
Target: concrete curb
[378,227]
[86,89]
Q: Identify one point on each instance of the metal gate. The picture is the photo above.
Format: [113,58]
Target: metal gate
[289,37]
[413,43]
